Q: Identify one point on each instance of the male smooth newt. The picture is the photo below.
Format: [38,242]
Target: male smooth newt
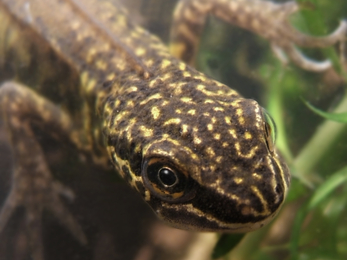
[201,156]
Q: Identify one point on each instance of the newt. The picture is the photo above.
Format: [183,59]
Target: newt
[202,156]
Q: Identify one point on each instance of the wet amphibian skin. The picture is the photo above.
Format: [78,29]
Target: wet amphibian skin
[202,156]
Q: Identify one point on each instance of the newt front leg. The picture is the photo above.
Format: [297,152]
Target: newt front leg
[33,186]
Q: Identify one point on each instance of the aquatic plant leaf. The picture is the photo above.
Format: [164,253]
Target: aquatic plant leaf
[337,117]
[327,187]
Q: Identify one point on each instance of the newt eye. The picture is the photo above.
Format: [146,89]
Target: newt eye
[164,180]
[167,177]
[269,131]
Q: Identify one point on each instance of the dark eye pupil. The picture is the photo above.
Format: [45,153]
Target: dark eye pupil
[167,177]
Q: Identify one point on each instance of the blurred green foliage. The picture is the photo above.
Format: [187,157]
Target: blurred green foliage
[338,117]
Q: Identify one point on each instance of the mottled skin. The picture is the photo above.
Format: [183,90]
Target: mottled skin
[94,80]
[205,131]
